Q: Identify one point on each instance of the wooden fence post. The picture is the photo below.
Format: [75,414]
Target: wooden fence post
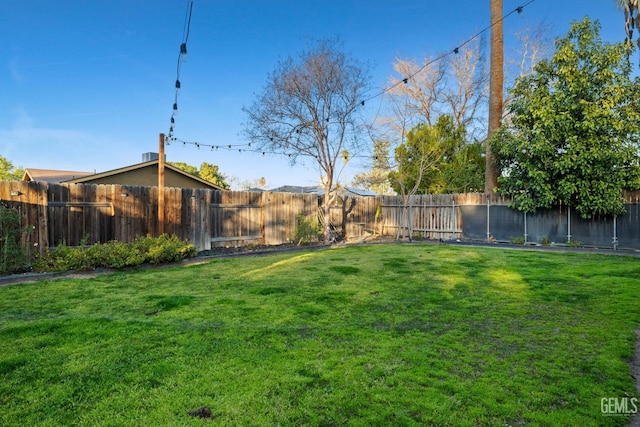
[161,185]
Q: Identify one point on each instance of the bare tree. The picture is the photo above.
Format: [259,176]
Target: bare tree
[414,97]
[451,84]
[496,87]
[308,108]
[466,88]
[534,45]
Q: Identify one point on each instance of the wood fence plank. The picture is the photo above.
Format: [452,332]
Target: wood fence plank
[65,232]
[205,215]
[120,207]
[43,218]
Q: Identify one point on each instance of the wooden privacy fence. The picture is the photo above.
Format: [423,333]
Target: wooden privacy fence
[482,217]
[240,218]
[85,214]
[424,216]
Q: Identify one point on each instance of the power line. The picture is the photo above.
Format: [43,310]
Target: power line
[455,51]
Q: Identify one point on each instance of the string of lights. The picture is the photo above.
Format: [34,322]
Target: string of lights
[405,80]
[182,57]
[455,51]
[241,148]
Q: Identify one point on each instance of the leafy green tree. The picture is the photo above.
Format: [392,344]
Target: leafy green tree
[8,172]
[417,160]
[186,167]
[207,171]
[575,128]
[464,171]
[212,173]
[437,160]
[377,178]
[417,157]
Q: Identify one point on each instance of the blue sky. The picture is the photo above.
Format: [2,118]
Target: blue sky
[89,85]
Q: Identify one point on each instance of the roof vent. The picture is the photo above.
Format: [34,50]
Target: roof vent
[149,157]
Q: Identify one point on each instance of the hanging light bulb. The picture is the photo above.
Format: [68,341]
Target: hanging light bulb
[177,86]
[183,52]
[175,108]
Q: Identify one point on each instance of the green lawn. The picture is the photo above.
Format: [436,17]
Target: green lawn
[363,336]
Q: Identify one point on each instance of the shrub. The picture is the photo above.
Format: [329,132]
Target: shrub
[116,254]
[546,241]
[12,256]
[516,240]
[307,229]
[61,258]
[142,245]
[169,249]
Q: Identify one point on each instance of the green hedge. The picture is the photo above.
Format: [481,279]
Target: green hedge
[154,250]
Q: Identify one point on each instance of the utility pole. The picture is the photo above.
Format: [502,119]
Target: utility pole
[161,185]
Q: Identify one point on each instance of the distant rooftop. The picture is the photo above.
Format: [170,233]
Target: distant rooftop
[320,190]
[52,176]
[294,189]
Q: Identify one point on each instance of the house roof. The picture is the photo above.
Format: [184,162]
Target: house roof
[52,176]
[294,189]
[167,166]
[361,191]
[348,191]
[320,190]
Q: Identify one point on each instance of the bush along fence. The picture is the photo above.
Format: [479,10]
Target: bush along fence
[51,214]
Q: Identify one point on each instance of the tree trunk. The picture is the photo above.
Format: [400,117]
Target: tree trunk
[405,220]
[326,207]
[495,92]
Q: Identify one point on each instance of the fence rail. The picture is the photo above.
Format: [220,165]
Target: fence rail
[76,214]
